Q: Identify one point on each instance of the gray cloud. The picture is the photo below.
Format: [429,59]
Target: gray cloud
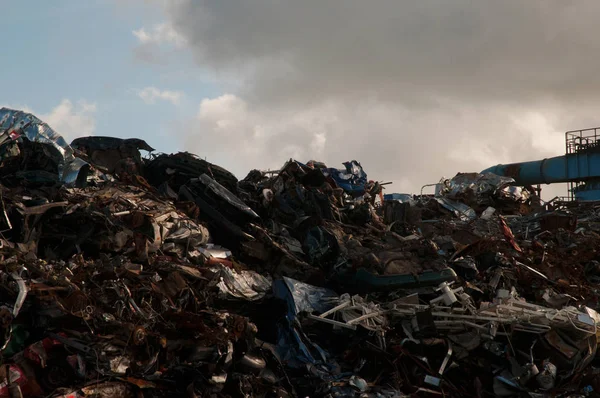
[394,49]
[413,89]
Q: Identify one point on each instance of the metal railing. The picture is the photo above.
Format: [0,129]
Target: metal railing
[582,140]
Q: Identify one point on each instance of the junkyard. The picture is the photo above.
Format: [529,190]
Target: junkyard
[135,274]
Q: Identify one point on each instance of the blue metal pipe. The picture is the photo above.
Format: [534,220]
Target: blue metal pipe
[567,168]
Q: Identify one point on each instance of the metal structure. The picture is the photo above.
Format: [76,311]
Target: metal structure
[579,167]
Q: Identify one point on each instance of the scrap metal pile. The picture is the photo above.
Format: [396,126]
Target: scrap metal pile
[125,276]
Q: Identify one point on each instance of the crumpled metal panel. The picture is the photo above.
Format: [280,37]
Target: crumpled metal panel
[461,210]
[247,285]
[477,183]
[515,193]
[75,171]
[108,389]
[226,195]
[16,125]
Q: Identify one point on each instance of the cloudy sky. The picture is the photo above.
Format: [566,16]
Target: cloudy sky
[414,90]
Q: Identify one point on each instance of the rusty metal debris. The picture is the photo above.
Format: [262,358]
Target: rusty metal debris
[164,276]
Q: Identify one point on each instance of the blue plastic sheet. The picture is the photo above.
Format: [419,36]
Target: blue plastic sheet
[294,347]
[302,297]
[352,180]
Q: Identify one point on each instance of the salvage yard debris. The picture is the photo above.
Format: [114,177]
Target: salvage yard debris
[159,276]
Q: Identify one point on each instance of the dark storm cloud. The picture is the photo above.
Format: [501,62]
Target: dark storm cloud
[398,50]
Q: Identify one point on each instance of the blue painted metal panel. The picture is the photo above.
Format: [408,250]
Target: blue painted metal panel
[575,167]
[588,195]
